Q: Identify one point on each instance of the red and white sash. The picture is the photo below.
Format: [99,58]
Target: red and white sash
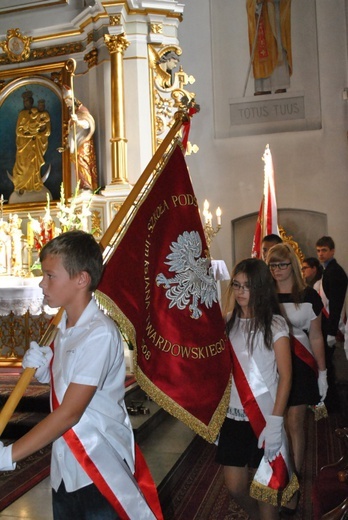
[324,299]
[132,496]
[302,352]
[274,482]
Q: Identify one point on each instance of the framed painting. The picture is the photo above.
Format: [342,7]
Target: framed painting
[34,163]
[265,67]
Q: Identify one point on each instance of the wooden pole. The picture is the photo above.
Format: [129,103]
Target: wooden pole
[47,338]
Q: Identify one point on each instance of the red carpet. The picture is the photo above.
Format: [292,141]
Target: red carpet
[195,490]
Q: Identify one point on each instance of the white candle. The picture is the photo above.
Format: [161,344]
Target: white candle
[205,211]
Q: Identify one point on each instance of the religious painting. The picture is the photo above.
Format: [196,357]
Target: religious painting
[265,67]
[31,167]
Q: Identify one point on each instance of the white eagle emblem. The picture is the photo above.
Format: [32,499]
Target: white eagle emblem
[193,283]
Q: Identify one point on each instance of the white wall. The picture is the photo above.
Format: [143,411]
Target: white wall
[310,166]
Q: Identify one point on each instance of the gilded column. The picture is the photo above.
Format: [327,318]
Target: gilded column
[116,45]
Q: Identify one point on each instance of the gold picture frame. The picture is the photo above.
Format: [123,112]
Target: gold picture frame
[45,132]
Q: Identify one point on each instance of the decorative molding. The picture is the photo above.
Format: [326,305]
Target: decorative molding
[168,92]
[91,58]
[16,46]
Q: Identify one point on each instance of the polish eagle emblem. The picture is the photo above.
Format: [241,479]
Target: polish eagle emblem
[193,283]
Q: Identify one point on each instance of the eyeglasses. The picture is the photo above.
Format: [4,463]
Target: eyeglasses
[280,266]
[306,267]
[237,287]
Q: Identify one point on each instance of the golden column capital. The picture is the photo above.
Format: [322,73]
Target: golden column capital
[116,43]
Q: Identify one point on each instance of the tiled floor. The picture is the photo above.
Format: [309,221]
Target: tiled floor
[161,450]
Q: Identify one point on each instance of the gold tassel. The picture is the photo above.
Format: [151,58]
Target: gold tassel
[320,411]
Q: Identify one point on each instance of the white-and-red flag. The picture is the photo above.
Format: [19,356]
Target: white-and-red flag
[267,219]
[161,284]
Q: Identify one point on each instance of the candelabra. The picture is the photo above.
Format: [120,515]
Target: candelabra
[208,228]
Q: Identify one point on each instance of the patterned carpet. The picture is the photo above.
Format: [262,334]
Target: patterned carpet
[195,489]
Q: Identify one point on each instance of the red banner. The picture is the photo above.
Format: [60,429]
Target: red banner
[161,282]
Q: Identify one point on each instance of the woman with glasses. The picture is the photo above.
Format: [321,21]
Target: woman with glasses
[252,434]
[301,306]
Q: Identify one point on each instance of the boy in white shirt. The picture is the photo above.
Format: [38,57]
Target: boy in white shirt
[93,452]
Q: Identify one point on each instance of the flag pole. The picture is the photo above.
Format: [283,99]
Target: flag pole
[27,374]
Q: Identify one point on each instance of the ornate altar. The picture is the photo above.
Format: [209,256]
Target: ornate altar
[23,317]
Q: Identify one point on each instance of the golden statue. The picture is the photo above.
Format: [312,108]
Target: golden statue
[32,132]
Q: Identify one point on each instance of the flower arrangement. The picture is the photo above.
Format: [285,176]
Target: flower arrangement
[42,230]
[68,217]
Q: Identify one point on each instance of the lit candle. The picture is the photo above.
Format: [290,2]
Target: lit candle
[205,211]
[218,216]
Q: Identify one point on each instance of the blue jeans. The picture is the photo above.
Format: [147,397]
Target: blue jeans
[86,503]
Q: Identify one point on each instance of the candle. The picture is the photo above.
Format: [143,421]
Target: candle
[30,234]
[205,211]
[218,215]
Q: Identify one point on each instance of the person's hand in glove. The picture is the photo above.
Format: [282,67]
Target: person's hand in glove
[6,463]
[322,384]
[271,437]
[331,340]
[39,358]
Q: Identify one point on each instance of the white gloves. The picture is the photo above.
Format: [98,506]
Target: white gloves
[271,437]
[322,384]
[6,463]
[331,340]
[39,358]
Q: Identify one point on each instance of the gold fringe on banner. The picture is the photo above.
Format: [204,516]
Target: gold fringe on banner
[274,496]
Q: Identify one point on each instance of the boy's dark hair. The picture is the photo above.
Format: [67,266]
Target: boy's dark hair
[272,238]
[79,252]
[263,301]
[325,242]
[313,262]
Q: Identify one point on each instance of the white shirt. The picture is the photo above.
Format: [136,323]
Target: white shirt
[91,353]
[260,365]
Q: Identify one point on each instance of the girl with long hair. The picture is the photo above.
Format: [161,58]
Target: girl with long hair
[261,381]
[301,306]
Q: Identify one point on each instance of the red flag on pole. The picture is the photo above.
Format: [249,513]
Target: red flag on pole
[267,219]
[160,282]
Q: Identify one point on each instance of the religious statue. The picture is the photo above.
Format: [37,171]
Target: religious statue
[269,30]
[32,132]
[165,66]
[80,142]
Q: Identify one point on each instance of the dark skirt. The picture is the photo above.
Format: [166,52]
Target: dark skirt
[304,387]
[238,445]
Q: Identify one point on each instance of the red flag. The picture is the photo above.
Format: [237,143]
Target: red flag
[267,220]
[161,282]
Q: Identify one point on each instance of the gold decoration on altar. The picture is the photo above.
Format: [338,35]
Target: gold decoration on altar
[168,90]
[288,239]
[16,46]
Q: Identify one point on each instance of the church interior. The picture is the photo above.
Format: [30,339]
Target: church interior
[122,70]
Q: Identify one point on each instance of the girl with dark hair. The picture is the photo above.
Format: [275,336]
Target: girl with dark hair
[301,306]
[252,433]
